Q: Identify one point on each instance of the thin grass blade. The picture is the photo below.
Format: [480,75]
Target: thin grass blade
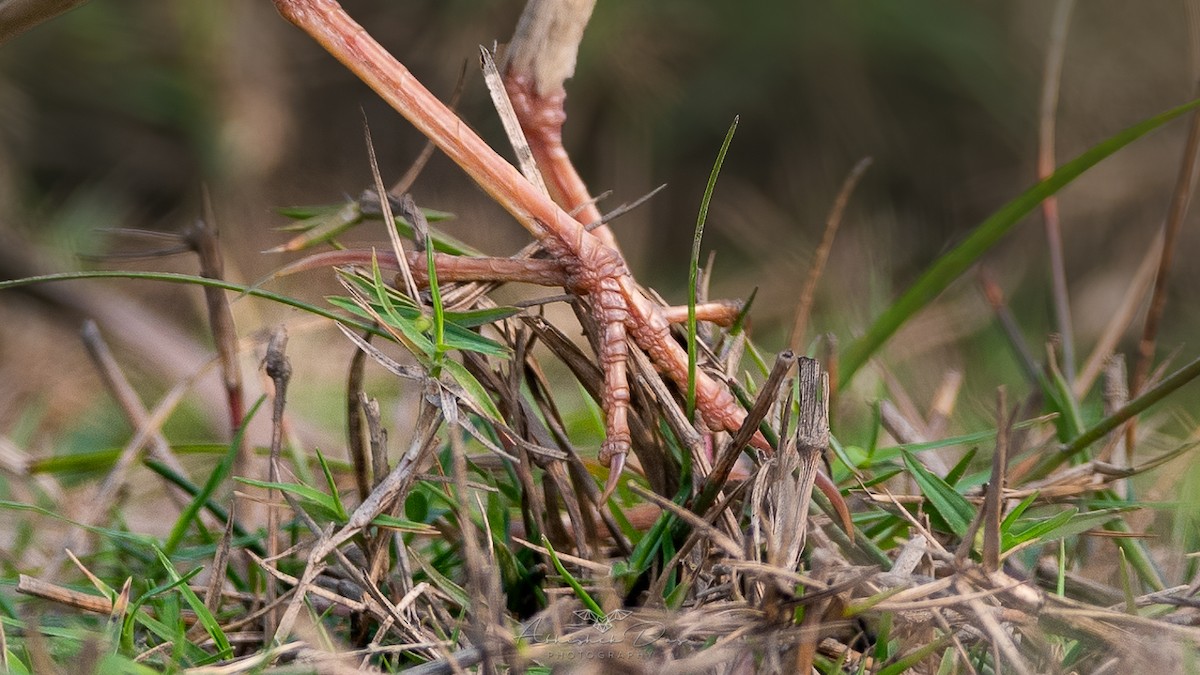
[952,265]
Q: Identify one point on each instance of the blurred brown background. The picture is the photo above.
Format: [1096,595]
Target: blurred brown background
[116,114]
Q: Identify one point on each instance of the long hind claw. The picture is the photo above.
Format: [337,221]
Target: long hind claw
[616,467]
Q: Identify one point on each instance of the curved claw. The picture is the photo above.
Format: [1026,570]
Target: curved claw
[831,492]
[615,468]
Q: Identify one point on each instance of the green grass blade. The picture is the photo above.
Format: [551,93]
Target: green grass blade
[865,604]
[136,614]
[956,472]
[951,265]
[1060,586]
[368,287]
[328,505]
[580,591]
[219,512]
[331,483]
[1105,426]
[1136,553]
[323,223]
[953,508]
[482,316]
[1017,511]
[439,311]
[1070,418]
[892,452]
[117,663]
[414,329]
[13,664]
[112,533]
[442,583]
[694,265]
[458,336]
[219,474]
[914,657]
[311,495]
[1037,529]
[1127,585]
[460,339]
[410,334]
[404,525]
[883,639]
[1065,524]
[173,278]
[322,226]
[305,212]
[205,617]
[473,388]
[442,242]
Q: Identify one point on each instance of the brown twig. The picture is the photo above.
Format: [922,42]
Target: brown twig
[817,267]
[995,298]
[355,440]
[377,436]
[555,425]
[944,400]
[279,369]
[385,207]
[88,513]
[1116,395]
[1180,201]
[62,595]
[18,16]
[993,504]
[418,165]
[1045,166]
[135,411]
[1122,317]
[216,570]
[203,239]
[511,121]
[469,269]
[448,267]
[766,398]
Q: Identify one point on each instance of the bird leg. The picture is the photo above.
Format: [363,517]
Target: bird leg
[593,268]
[539,59]
[466,269]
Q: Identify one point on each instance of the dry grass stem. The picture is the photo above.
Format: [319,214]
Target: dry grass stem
[832,223]
[1051,84]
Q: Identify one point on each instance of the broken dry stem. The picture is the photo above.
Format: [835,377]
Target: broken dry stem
[279,369]
[202,238]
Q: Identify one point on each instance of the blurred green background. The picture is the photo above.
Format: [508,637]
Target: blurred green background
[117,113]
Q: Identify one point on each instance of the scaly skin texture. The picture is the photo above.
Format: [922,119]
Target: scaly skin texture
[542,117]
[594,268]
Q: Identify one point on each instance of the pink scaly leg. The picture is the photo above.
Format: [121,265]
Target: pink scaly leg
[594,268]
